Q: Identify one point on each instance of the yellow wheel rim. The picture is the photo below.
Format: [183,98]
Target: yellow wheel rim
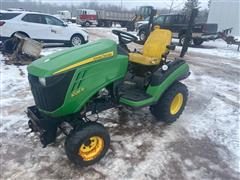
[176,104]
[93,148]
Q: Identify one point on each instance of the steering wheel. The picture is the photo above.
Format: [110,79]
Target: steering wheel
[124,37]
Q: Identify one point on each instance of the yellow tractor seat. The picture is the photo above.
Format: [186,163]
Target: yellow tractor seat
[154,48]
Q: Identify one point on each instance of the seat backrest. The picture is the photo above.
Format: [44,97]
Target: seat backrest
[157,41]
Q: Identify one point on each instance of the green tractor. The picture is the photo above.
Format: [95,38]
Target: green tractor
[70,85]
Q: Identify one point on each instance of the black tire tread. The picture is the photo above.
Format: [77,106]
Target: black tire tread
[76,137]
[161,109]
[180,39]
[143,31]
[197,42]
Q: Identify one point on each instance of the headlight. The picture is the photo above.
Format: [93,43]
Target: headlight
[42,81]
[51,80]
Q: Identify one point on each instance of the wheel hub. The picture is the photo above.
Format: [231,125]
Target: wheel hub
[176,104]
[76,41]
[92,148]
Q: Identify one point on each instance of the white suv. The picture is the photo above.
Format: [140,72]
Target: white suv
[41,27]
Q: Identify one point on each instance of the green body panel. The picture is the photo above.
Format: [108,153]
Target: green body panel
[88,78]
[157,91]
[96,76]
[48,65]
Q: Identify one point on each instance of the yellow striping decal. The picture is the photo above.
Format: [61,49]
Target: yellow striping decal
[86,61]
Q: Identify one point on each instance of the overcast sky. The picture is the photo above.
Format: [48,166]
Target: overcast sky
[178,4]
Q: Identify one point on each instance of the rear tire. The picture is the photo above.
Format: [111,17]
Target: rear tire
[88,144]
[171,104]
[100,24]
[107,23]
[182,39]
[197,42]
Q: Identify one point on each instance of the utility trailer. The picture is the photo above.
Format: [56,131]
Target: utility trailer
[231,40]
[103,18]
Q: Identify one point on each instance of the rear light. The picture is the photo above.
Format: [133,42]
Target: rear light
[2,23]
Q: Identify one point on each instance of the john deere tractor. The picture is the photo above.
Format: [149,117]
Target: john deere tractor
[70,85]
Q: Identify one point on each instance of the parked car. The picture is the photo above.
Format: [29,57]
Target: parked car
[41,27]
[178,25]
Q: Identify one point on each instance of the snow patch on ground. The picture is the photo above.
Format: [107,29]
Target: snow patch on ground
[218,48]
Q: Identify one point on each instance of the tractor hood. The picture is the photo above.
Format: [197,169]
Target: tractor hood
[72,58]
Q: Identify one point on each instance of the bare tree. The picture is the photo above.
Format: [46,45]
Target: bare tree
[209,3]
[189,5]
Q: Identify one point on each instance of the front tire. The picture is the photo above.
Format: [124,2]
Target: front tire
[182,39]
[171,104]
[88,144]
[87,24]
[76,40]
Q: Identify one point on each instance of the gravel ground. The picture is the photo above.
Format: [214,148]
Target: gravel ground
[202,144]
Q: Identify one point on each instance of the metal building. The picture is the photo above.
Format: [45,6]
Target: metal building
[226,13]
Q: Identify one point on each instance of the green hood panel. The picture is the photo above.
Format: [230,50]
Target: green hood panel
[73,57]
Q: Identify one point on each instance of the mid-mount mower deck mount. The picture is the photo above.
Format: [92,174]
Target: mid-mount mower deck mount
[71,84]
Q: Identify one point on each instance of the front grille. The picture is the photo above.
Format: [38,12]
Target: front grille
[51,96]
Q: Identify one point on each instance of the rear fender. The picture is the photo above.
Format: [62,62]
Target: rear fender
[161,80]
